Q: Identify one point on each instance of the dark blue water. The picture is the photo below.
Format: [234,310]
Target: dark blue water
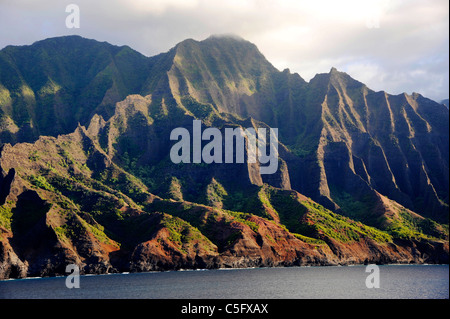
[396,281]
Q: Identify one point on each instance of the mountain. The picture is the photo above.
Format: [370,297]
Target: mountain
[445,102]
[86,176]
[48,87]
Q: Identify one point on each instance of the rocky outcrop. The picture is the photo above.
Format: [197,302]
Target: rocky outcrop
[223,242]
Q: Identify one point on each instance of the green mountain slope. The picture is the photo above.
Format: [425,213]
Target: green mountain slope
[48,87]
[86,176]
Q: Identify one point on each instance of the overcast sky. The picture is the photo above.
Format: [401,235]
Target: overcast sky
[392,45]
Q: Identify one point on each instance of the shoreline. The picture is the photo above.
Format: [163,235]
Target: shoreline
[220,269]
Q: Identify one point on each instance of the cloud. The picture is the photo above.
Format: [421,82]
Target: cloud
[158,6]
[392,45]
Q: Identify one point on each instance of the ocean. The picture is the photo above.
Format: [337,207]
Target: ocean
[334,282]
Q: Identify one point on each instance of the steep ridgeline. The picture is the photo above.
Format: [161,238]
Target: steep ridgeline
[362,175]
[48,87]
[68,200]
[349,142]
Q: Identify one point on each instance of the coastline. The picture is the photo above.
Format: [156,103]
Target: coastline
[224,269]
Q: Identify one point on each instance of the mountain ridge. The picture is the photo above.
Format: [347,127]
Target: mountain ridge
[363,175]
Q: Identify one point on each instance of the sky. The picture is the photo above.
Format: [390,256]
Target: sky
[392,45]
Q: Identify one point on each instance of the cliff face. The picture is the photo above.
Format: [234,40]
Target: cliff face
[395,145]
[362,175]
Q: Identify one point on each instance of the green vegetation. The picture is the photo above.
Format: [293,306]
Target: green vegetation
[205,112]
[301,152]
[356,209]
[408,226]
[176,227]
[215,194]
[180,231]
[310,240]
[290,211]
[210,223]
[175,191]
[41,182]
[244,219]
[76,228]
[34,156]
[258,203]
[62,233]
[5,216]
[117,179]
[236,200]
[404,225]
[184,234]
[342,228]
[311,220]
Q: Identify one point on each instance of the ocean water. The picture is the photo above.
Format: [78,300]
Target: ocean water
[347,282]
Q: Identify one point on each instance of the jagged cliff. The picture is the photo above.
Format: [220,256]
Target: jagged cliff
[86,176]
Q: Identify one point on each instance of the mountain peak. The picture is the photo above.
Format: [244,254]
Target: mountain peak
[334,76]
[224,49]
[336,73]
[220,61]
[343,78]
[226,36]
[69,40]
[222,42]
